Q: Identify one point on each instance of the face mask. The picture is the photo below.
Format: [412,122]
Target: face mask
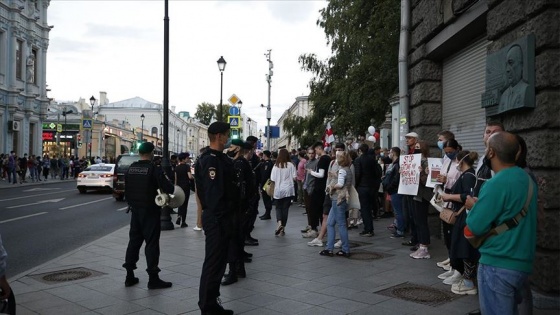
[228,144]
[338,153]
[417,151]
[232,153]
[451,156]
[458,167]
[440,145]
[382,154]
[486,162]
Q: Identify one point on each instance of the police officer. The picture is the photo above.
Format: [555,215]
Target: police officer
[215,188]
[143,179]
[254,203]
[246,190]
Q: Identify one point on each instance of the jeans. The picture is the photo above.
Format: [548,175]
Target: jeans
[499,290]
[12,175]
[367,203]
[338,216]
[282,206]
[396,202]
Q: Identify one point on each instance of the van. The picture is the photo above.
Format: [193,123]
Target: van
[122,164]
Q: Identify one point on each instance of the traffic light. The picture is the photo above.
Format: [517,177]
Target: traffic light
[234,134]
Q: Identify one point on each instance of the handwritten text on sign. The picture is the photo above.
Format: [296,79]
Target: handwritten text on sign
[410,174]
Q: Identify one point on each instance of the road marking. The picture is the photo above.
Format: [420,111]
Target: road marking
[35,203]
[123,208]
[40,189]
[21,218]
[31,196]
[86,203]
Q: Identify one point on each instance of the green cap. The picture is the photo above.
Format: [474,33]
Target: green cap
[237,142]
[146,147]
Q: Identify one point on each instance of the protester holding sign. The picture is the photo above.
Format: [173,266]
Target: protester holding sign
[420,205]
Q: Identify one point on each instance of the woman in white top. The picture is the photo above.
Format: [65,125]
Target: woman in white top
[283,175]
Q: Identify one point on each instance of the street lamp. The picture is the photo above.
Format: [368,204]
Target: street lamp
[222,66]
[249,120]
[178,140]
[64,113]
[142,134]
[92,103]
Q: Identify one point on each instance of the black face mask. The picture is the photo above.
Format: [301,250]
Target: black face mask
[417,151]
[231,153]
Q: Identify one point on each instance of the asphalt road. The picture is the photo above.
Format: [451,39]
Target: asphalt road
[40,223]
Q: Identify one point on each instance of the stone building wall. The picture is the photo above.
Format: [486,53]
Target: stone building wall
[503,22]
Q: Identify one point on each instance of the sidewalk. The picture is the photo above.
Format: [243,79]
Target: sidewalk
[285,277]
[5,185]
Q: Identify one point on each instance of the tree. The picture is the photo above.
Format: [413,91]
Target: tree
[205,112]
[353,85]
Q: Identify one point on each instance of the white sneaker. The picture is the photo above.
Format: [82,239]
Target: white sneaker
[446,267]
[462,289]
[455,278]
[446,274]
[441,264]
[309,234]
[196,228]
[315,242]
[338,244]
[421,253]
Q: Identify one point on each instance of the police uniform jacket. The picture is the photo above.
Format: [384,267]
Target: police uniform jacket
[143,179]
[245,182]
[215,184]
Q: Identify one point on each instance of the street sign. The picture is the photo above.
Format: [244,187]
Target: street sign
[233,99]
[87,123]
[234,110]
[52,125]
[59,128]
[234,122]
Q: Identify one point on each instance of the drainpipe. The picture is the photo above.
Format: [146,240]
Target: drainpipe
[404,101]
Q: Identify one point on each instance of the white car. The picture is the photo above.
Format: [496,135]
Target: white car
[96,177]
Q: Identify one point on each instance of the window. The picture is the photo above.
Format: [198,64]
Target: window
[31,139]
[19,59]
[154,132]
[32,67]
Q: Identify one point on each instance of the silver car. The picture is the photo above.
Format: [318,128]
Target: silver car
[96,177]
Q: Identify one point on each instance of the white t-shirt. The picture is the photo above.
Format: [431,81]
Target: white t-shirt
[283,179]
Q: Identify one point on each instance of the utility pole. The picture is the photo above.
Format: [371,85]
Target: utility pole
[269,80]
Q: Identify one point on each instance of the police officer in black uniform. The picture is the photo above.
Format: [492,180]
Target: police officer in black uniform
[246,189]
[254,203]
[142,182]
[215,188]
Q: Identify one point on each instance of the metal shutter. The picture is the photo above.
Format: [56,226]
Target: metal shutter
[463,83]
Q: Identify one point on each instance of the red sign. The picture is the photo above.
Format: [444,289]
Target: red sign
[48,136]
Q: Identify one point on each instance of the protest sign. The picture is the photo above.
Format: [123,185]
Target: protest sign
[434,168]
[410,174]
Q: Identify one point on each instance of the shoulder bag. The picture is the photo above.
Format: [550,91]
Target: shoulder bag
[477,241]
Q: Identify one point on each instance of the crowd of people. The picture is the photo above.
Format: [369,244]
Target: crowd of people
[14,168]
[352,184]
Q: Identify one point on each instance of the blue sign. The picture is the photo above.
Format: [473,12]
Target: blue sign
[274,131]
[234,122]
[234,110]
[87,123]
[259,145]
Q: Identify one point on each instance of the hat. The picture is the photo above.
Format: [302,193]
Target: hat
[146,147]
[183,155]
[218,127]
[237,142]
[411,135]
[247,145]
[252,139]
[267,153]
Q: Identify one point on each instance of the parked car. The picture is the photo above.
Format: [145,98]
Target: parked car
[122,164]
[96,177]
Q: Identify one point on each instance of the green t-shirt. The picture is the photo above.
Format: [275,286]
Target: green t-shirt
[501,198]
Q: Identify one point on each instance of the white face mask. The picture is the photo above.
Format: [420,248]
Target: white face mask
[339,153]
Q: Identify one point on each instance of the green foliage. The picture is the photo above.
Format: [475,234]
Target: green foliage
[205,112]
[353,85]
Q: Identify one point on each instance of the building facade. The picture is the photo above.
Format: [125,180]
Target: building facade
[301,107]
[468,62]
[24,40]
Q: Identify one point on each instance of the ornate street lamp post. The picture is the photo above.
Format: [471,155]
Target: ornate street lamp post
[142,134]
[222,66]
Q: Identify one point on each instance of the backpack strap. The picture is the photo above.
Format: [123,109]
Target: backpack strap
[513,222]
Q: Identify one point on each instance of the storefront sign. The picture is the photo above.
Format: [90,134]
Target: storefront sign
[48,136]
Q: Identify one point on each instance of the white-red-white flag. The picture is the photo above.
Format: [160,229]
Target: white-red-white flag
[328,137]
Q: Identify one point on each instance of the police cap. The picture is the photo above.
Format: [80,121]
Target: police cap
[252,139]
[218,127]
[146,147]
[237,142]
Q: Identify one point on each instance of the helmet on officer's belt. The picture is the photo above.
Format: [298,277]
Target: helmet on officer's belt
[171,200]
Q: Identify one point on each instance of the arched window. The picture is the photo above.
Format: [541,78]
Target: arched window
[154,132]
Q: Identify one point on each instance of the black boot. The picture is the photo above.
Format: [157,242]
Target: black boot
[178,222]
[231,276]
[130,278]
[240,269]
[156,283]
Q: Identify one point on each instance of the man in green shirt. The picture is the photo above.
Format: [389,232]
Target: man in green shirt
[506,259]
